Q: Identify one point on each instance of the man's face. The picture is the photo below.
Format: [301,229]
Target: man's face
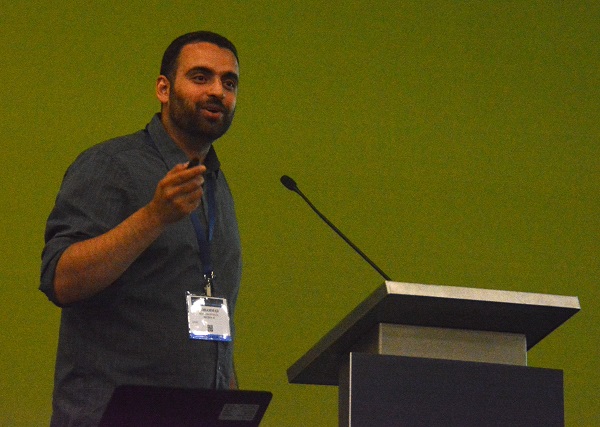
[203,93]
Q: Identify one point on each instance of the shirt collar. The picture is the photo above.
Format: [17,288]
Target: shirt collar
[171,153]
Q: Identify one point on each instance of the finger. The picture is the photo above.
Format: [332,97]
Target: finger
[180,203]
[189,173]
[178,175]
[189,202]
[192,188]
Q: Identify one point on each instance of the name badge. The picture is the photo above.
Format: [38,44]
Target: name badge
[208,318]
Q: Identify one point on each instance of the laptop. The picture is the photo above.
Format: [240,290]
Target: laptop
[149,406]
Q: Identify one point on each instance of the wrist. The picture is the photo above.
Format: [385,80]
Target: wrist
[150,218]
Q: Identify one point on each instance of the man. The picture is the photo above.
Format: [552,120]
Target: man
[140,235]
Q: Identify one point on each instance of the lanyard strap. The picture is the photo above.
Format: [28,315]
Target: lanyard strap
[204,236]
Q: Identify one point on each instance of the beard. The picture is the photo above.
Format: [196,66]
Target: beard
[188,117]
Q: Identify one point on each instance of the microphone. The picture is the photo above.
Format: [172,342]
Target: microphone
[291,185]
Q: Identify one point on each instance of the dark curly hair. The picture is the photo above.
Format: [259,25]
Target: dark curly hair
[169,60]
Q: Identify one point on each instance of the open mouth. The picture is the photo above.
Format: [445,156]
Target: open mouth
[212,108]
[213,113]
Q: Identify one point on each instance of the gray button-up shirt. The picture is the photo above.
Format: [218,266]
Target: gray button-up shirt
[136,330]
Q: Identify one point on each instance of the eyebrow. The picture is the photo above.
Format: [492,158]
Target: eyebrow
[228,75]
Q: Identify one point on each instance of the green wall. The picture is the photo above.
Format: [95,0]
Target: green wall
[456,142]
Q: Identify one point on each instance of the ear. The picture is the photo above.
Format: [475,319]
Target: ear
[163,88]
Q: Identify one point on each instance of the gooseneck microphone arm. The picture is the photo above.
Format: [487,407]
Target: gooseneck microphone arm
[290,184]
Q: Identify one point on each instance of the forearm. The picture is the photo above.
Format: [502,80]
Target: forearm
[89,266]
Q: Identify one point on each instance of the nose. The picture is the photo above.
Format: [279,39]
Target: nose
[216,89]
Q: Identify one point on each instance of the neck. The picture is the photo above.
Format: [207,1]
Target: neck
[191,145]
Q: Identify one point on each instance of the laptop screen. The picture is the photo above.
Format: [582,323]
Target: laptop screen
[150,406]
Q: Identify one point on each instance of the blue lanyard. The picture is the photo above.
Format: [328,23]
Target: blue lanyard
[205,238]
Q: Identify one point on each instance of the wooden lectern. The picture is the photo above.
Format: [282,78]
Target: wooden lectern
[427,355]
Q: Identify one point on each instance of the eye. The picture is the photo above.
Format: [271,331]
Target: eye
[230,84]
[199,78]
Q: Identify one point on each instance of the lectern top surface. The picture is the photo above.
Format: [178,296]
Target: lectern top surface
[533,315]
[475,294]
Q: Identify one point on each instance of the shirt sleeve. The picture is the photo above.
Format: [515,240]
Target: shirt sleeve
[94,197]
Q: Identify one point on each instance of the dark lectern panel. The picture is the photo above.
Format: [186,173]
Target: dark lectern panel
[411,392]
